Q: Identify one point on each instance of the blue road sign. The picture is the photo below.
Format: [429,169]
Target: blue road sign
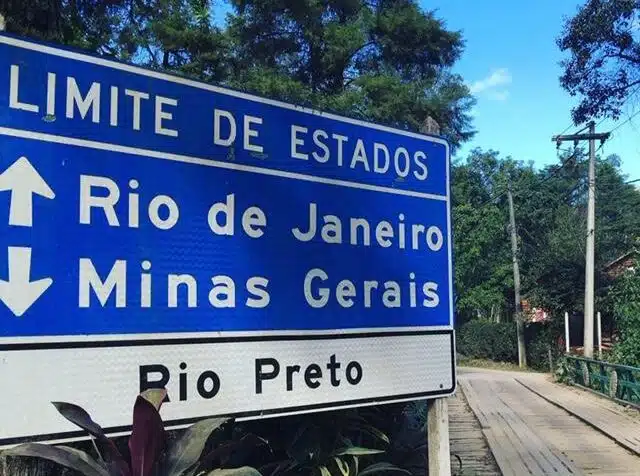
[140,207]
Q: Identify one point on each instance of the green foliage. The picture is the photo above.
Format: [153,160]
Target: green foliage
[482,339]
[604,63]
[149,452]
[483,272]
[563,371]
[332,443]
[540,338]
[384,61]
[625,295]
[550,209]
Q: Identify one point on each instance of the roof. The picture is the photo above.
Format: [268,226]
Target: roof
[618,260]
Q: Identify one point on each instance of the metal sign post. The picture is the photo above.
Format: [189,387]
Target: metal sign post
[253,257]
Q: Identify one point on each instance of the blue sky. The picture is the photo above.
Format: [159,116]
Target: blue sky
[511,65]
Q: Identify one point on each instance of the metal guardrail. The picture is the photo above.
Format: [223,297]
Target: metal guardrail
[618,382]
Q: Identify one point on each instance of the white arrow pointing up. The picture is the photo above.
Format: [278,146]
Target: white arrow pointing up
[19,293]
[23,181]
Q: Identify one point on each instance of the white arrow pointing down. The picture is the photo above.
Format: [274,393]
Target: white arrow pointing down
[19,293]
[23,181]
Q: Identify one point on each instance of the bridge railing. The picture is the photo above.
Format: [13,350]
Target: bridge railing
[618,382]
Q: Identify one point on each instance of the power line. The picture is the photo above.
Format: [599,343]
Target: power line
[575,188]
[564,163]
[629,119]
[631,94]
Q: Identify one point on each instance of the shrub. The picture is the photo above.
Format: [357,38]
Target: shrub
[563,371]
[499,342]
[149,452]
[625,297]
[322,444]
[354,441]
[480,339]
[539,338]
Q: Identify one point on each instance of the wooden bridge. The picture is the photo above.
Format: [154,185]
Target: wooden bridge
[514,423]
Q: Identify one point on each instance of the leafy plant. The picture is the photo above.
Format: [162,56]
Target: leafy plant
[625,296]
[563,372]
[488,340]
[150,453]
[540,338]
[343,443]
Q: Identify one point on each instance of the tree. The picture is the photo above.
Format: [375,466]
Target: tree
[382,60]
[483,272]
[172,35]
[603,40]
[617,211]
[87,24]
[625,301]
[385,60]
[550,208]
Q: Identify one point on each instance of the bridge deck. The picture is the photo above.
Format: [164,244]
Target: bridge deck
[529,435]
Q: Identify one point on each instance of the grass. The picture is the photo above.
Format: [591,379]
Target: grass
[490,364]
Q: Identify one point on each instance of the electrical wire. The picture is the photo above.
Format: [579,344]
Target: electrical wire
[629,119]
[547,178]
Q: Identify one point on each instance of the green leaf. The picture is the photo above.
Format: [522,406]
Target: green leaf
[64,456]
[155,396]
[354,465]
[87,458]
[342,466]
[186,451]
[376,432]
[358,451]
[382,468]
[78,416]
[223,454]
[324,471]
[244,471]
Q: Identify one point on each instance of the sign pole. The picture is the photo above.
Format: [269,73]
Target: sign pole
[437,409]
[438,437]
[566,332]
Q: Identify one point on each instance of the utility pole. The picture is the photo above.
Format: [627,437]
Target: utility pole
[522,353]
[438,450]
[589,281]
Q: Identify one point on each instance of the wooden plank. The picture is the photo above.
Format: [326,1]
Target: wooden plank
[535,454]
[528,435]
[470,452]
[545,456]
[506,456]
[604,416]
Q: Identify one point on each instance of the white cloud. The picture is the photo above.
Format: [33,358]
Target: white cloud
[498,95]
[498,77]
